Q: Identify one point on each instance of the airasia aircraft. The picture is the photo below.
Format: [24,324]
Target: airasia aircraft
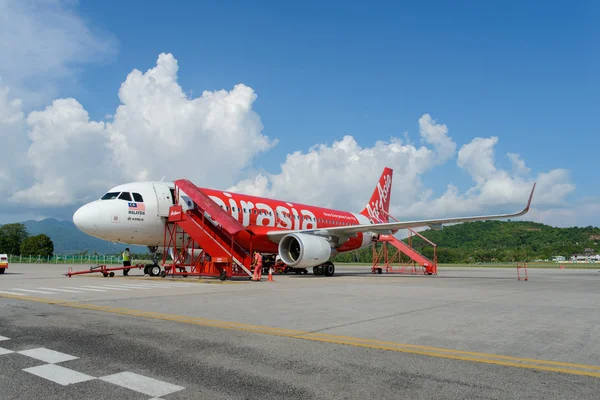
[304,236]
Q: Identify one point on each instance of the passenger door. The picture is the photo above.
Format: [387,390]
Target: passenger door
[164,198]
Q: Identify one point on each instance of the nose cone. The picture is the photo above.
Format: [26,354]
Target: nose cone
[86,219]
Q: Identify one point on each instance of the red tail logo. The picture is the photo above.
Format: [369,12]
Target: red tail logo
[380,200]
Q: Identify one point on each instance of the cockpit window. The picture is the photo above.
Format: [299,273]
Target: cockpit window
[125,196]
[138,197]
[110,196]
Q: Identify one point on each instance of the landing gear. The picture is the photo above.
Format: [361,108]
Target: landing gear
[153,269]
[327,269]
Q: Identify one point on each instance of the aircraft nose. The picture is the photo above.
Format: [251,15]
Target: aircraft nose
[85,219]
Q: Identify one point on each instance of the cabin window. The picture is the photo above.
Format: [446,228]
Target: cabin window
[232,208]
[138,197]
[125,196]
[110,196]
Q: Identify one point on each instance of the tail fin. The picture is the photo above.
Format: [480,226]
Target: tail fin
[380,200]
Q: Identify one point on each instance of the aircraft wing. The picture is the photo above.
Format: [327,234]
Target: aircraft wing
[387,228]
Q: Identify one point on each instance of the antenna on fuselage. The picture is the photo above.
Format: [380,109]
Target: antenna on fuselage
[163,178]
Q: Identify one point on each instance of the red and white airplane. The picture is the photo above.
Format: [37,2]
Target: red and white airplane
[304,236]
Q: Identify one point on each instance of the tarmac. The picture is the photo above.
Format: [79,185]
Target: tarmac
[465,333]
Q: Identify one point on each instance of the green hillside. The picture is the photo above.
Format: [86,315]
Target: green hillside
[507,241]
[68,239]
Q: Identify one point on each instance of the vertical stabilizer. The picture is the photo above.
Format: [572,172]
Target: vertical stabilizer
[380,200]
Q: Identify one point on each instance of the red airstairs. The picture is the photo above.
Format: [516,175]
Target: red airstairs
[392,261]
[203,238]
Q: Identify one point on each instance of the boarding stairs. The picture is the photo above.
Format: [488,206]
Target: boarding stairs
[204,237]
[383,259]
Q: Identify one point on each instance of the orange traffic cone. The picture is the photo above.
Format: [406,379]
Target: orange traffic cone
[270,275]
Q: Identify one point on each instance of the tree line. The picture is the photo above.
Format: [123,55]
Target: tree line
[15,240]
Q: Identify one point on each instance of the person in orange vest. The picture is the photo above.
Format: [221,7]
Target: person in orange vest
[257,266]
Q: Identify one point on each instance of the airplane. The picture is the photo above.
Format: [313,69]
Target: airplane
[303,236]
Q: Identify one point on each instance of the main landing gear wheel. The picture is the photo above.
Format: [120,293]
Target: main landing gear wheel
[318,270]
[328,269]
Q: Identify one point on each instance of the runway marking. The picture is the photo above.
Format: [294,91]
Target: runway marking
[61,290]
[3,338]
[13,293]
[57,374]
[47,355]
[190,280]
[142,384]
[494,359]
[5,351]
[85,288]
[110,287]
[33,291]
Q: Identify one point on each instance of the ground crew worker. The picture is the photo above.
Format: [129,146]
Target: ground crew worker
[126,261]
[257,266]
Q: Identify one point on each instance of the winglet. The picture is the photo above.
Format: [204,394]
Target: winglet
[530,197]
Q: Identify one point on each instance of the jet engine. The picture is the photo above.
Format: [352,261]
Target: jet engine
[187,258]
[301,250]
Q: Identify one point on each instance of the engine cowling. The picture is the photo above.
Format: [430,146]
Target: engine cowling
[300,250]
[188,258]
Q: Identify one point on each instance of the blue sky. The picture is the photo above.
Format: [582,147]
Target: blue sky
[524,72]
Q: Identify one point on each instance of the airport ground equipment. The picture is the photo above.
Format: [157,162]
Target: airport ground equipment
[522,266]
[390,261]
[201,237]
[107,271]
[3,263]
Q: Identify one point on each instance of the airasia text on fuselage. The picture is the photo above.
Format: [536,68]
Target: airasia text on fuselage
[272,212]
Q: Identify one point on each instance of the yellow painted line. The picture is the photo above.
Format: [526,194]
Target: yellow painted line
[493,359]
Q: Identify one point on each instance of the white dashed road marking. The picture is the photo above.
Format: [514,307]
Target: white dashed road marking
[61,375]
[5,351]
[142,384]
[47,355]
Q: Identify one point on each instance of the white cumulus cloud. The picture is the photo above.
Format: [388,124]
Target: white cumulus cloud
[157,131]
[209,138]
[344,174]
